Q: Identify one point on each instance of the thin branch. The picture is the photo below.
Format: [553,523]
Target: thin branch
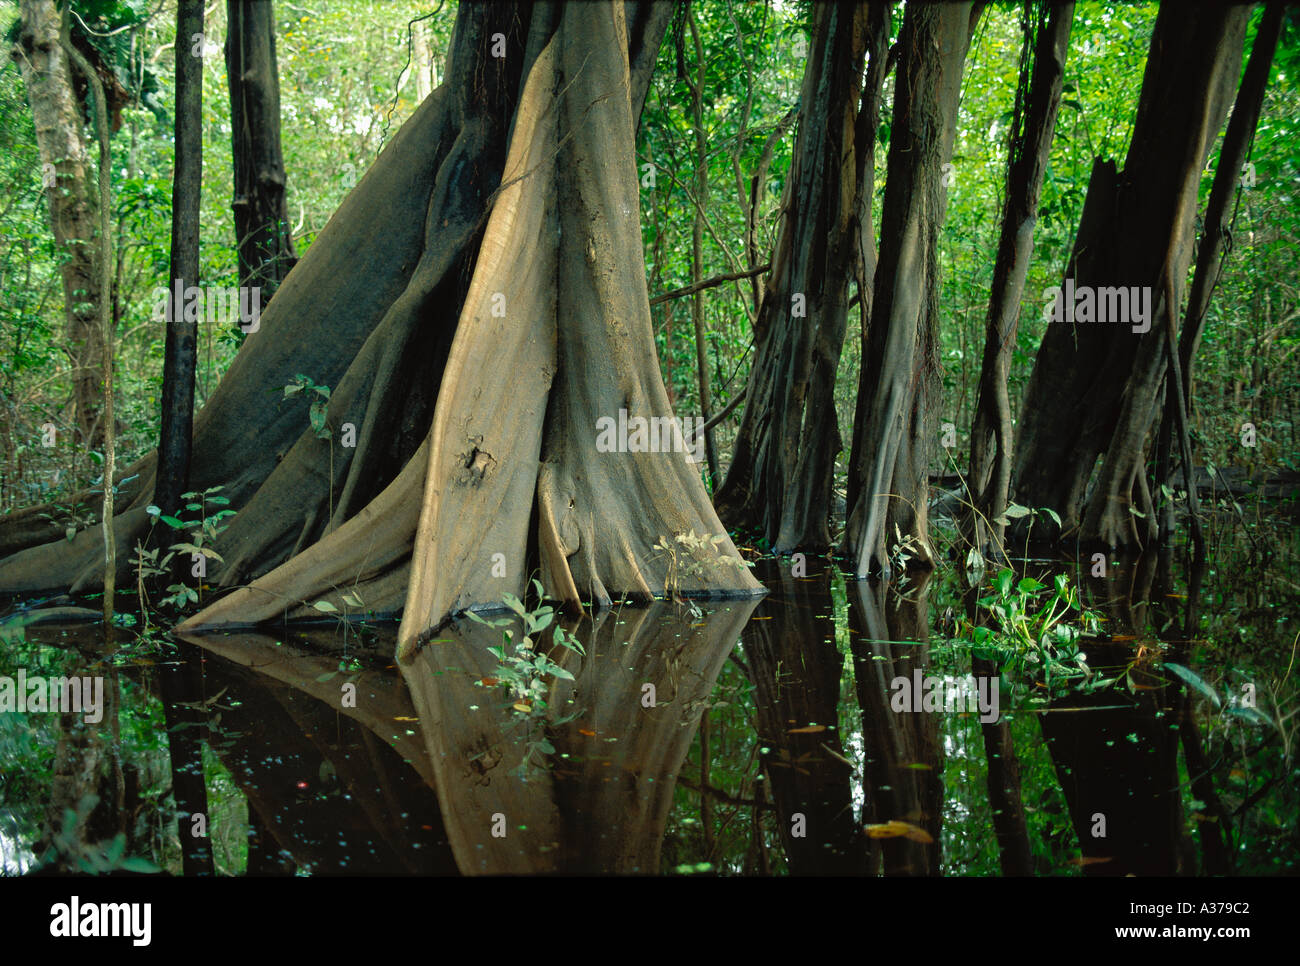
[716,280]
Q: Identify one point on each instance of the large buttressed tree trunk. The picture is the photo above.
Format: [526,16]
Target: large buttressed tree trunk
[891,433]
[779,482]
[264,240]
[373,304]
[1038,98]
[1095,385]
[554,334]
[70,193]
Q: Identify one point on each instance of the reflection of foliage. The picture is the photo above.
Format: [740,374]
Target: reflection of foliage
[522,670]
[69,851]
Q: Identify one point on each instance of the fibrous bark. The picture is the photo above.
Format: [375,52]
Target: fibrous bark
[264,240]
[1038,96]
[70,192]
[175,437]
[779,482]
[891,433]
[1094,387]
[1213,245]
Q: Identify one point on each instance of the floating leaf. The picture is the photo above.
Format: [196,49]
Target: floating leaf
[898,829]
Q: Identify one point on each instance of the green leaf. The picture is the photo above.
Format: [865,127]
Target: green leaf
[1015,511]
[172,522]
[325,607]
[317,416]
[1253,715]
[1002,583]
[1029,586]
[1192,678]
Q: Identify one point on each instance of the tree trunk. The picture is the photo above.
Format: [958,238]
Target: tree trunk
[70,193]
[181,350]
[1094,386]
[382,346]
[1214,235]
[891,435]
[1038,96]
[779,481]
[697,244]
[264,239]
[554,337]
[366,342]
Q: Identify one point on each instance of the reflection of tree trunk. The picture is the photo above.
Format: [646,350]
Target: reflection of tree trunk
[891,436]
[903,779]
[264,854]
[1004,785]
[326,783]
[604,806]
[1118,768]
[1094,387]
[75,774]
[1038,96]
[796,668]
[70,192]
[1005,802]
[780,478]
[179,684]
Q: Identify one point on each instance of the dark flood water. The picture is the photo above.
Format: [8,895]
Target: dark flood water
[755,738]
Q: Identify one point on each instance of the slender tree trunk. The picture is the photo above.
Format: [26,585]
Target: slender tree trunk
[1214,233]
[779,481]
[892,427]
[1038,96]
[697,243]
[262,229]
[105,322]
[69,191]
[1095,383]
[180,352]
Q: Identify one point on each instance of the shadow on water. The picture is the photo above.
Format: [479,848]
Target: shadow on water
[789,735]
